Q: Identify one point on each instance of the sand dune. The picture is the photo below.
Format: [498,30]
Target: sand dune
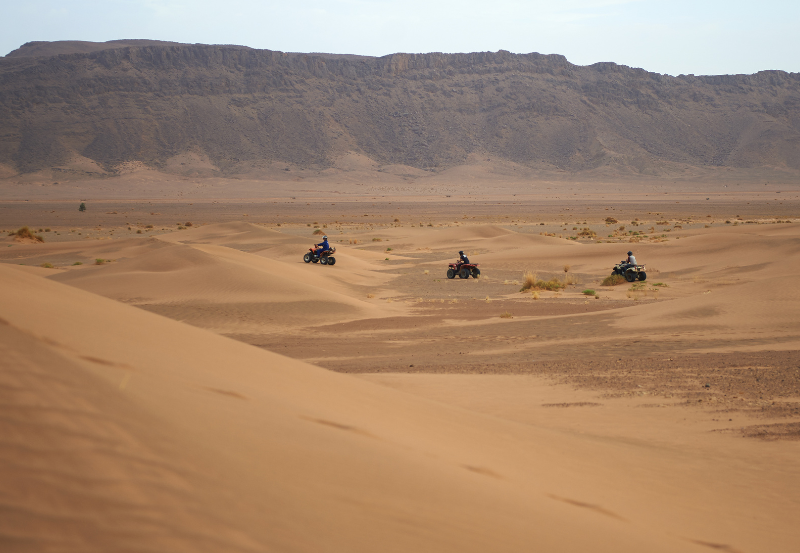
[267,452]
[123,429]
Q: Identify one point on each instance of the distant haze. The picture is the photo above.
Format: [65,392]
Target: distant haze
[679,37]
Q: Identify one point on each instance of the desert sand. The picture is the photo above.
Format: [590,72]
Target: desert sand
[175,387]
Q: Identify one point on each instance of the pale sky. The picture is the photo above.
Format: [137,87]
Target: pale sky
[703,37]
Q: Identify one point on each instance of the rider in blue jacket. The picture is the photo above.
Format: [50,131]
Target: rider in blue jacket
[322,246]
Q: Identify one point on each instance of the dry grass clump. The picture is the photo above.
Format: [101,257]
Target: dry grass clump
[535,295]
[611,220]
[377,239]
[531,282]
[587,232]
[426,272]
[317,231]
[589,292]
[613,280]
[47,265]
[370,296]
[26,233]
[506,315]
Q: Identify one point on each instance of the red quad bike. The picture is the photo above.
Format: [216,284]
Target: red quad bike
[463,270]
[313,256]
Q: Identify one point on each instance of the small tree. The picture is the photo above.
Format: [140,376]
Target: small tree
[82,207]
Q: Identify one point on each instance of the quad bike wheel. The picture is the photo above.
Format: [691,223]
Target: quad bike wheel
[463,273]
[476,273]
[331,260]
[307,258]
[642,276]
[630,275]
[323,260]
[451,273]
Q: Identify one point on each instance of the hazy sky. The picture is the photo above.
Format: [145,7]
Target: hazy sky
[704,37]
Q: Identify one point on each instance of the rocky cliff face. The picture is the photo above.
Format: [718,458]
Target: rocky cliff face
[239,108]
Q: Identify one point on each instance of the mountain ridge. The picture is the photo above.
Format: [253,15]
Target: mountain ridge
[238,108]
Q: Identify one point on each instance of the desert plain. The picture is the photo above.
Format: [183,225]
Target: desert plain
[176,378]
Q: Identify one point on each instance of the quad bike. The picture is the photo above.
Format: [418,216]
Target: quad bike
[630,272]
[313,255]
[463,270]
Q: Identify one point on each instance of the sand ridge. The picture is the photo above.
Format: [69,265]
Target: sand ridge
[256,448]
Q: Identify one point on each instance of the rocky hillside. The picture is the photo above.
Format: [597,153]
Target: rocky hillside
[236,109]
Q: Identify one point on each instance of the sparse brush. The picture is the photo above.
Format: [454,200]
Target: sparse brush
[530,281]
[611,220]
[589,292]
[370,296]
[24,233]
[377,239]
[566,268]
[613,280]
[506,315]
[47,265]
[535,295]
[426,272]
[570,279]
[660,284]
[488,299]
[454,300]
[78,263]
[99,261]
[317,231]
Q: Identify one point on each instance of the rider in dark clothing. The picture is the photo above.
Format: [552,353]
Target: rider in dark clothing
[462,259]
[322,246]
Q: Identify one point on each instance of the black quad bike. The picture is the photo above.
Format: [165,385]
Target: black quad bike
[630,272]
[313,255]
[463,270]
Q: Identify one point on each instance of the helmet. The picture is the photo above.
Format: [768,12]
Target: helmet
[325,238]
[461,253]
[630,253]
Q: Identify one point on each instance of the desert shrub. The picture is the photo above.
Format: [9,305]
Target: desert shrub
[25,232]
[587,232]
[317,231]
[506,315]
[388,249]
[47,265]
[137,232]
[47,230]
[377,239]
[189,223]
[426,272]
[397,220]
[660,284]
[531,282]
[611,220]
[78,263]
[589,292]
[82,207]
[99,261]
[613,280]
[566,268]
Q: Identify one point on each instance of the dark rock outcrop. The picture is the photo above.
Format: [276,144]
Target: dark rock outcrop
[241,107]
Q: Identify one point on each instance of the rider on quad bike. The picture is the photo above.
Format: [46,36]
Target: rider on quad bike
[462,259]
[322,247]
[629,261]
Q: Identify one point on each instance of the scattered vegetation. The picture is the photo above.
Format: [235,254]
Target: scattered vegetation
[370,296]
[100,261]
[661,284]
[47,265]
[613,280]
[587,232]
[589,292]
[531,282]
[317,231]
[377,239]
[26,233]
[82,207]
[611,220]
[506,315]
[426,272]
[78,263]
